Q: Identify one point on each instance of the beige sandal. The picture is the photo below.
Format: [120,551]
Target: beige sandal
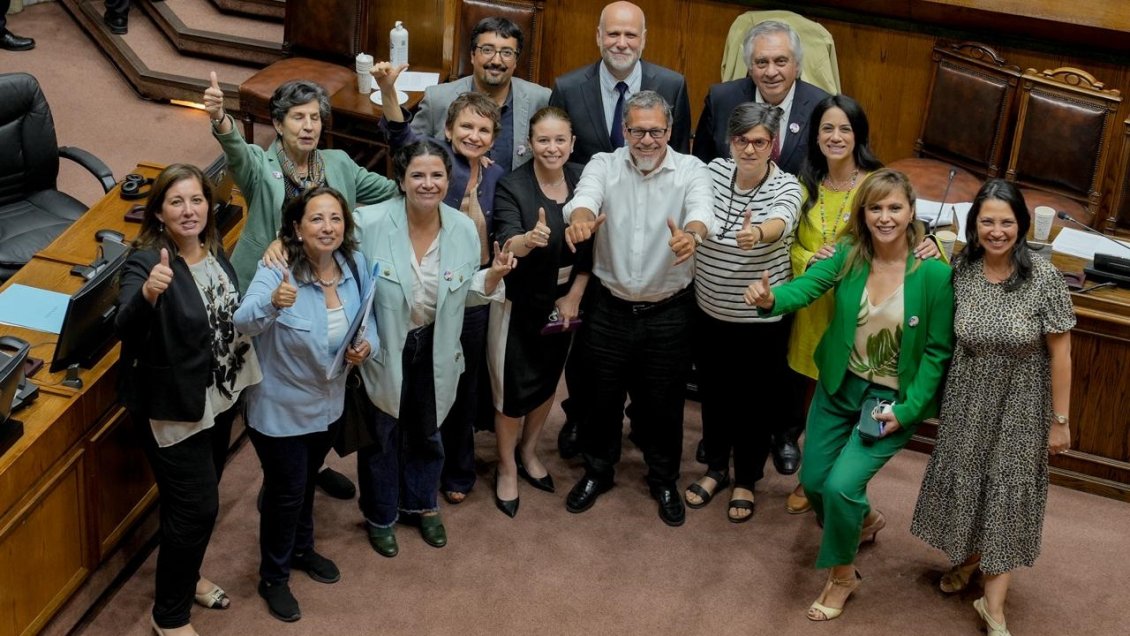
[958,578]
[820,612]
[994,628]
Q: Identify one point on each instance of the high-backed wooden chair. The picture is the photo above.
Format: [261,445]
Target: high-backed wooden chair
[819,67]
[1119,218]
[463,15]
[1061,144]
[319,50]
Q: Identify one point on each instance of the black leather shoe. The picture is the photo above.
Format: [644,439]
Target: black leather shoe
[700,452]
[671,509]
[383,541]
[786,455]
[509,507]
[280,602]
[118,25]
[431,528]
[567,443]
[11,42]
[541,483]
[317,566]
[584,494]
[335,484]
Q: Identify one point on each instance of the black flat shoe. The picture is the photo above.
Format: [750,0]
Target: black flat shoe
[280,602]
[118,25]
[509,507]
[383,540]
[335,484]
[317,566]
[671,509]
[541,483]
[11,42]
[567,444]
[786,455]
[585,492]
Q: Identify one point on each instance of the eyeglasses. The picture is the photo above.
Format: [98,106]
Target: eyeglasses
[638,133]
[759,144]
[489,51]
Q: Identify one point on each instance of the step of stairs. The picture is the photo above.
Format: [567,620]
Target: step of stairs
[197,27]
[273,9]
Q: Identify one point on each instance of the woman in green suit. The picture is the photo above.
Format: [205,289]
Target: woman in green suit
[890,338]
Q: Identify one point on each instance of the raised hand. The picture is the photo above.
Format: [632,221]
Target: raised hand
[681,243]
[159,278]
[539,236]
[385,75]
[759,294]
[285,294]
[581,231]
[747,237]
[504,259]
[214,99]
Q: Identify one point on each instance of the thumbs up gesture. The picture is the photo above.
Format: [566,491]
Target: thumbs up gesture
[681,243]
[746,236]
[159,278]
[759,294]
[539,236]
[386,75]
[285,294]
[214,99]
[581,231]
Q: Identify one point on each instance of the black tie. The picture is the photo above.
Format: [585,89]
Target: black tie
[616,135]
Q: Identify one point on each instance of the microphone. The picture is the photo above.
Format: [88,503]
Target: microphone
[1063,216]
[942,206]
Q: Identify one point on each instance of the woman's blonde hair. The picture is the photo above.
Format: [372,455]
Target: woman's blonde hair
[877,186]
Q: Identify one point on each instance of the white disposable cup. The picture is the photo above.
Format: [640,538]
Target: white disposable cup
[1044,217]
[363,65]
[947,239]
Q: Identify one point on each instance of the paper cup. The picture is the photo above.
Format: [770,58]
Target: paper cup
[1043,225]
[947,239]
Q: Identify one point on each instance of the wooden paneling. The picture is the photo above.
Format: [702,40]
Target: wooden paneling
[424,20]
[116,457]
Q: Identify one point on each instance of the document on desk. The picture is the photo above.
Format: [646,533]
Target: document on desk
[414,81]
[33,308]
[1085,245]
[927,211]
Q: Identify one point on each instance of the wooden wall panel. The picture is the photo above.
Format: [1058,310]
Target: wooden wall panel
[424,20]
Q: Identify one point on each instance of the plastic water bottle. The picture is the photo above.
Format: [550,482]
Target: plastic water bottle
[398,45]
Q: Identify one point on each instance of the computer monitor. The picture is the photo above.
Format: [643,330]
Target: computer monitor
[88,325]
[11,374]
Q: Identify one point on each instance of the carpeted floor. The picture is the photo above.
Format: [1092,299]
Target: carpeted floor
[615,569]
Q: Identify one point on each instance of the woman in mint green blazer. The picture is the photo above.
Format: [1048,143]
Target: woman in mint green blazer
[890,338]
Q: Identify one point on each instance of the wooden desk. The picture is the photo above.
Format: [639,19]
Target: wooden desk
[77,480]
[356,123]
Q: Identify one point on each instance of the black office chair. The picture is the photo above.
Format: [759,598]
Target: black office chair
[32,211]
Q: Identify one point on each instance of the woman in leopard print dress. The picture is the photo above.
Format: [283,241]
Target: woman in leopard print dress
[1005,406]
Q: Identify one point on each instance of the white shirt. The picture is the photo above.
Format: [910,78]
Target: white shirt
[608,93]
[425,287]
[631,256]
[786,105]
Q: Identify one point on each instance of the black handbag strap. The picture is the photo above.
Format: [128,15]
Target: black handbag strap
[356,276]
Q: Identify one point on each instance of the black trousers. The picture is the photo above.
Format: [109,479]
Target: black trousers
[473,408]
[117,7]
[740,410]
[641,351]
[286,524]
[188,479]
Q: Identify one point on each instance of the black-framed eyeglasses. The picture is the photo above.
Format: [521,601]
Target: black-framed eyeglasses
[489,51]
[759,144]
[638,133]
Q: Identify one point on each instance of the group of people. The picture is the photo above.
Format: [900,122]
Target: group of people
[627,261]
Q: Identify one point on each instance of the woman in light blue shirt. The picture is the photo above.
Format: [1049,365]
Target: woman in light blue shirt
[300,317]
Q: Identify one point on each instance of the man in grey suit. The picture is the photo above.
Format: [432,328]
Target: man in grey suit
[496,44]
[594,95]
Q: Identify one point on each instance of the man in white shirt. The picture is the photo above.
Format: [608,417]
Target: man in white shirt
[647,207]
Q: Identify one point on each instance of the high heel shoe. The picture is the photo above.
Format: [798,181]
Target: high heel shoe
[958,578]
[541,483]
[871,530]
[509,507]
[994,628]
[820,612]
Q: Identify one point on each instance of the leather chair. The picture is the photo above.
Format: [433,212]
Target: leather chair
[32,212]
[467,13]
[319,50]
[1061,143]
[1119,218]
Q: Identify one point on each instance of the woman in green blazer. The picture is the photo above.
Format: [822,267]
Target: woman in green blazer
[890,338]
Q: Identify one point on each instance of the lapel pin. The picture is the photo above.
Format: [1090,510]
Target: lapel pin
[794,127]
[522,150]
[913,322]
[276,174]
[447,275]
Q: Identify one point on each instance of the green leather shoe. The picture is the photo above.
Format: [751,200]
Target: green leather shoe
[383,541]
[431,528]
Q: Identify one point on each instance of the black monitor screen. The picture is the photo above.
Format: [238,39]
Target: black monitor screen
[88,326]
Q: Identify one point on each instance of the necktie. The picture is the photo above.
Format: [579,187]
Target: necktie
[776,154]
[616,134]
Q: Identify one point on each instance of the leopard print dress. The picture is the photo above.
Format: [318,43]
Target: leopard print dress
[986,484]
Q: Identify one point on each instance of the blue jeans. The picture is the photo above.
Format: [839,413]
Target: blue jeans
[400,472]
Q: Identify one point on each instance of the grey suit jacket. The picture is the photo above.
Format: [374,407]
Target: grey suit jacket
[431,117]
[578,92]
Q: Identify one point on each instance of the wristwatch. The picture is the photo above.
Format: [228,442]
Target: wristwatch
[697,238]
[1060,419]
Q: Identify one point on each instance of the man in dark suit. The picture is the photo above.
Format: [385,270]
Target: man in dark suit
[591,94]
[773,53]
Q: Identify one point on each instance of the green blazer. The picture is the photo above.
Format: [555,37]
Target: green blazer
[927,330]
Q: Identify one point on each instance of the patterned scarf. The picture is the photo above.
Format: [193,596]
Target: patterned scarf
[296,185]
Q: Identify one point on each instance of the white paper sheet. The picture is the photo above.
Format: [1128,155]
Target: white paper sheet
[416,81]
[928,211]
[1084,244]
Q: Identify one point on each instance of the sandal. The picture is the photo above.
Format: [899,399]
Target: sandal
[958,577]
[994,628]
[738,503]
[720,481]
[871,530]
[797,502]
[215,599]
[454,497]
[820,612]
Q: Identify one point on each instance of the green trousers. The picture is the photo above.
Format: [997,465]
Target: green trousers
[838,464]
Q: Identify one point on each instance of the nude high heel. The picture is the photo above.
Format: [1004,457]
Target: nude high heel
[820,612]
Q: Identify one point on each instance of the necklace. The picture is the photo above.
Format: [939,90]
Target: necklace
[333,281]
[732,221]
[834,186]
[551,185]
[829,233]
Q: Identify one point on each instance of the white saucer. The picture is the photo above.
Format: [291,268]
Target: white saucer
[375,97]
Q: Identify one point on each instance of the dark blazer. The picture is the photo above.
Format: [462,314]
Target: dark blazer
[578,92]
[712,139]
[166,361]
[534,282]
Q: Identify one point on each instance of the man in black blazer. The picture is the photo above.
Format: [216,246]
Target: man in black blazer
[773,53]
[589,94]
